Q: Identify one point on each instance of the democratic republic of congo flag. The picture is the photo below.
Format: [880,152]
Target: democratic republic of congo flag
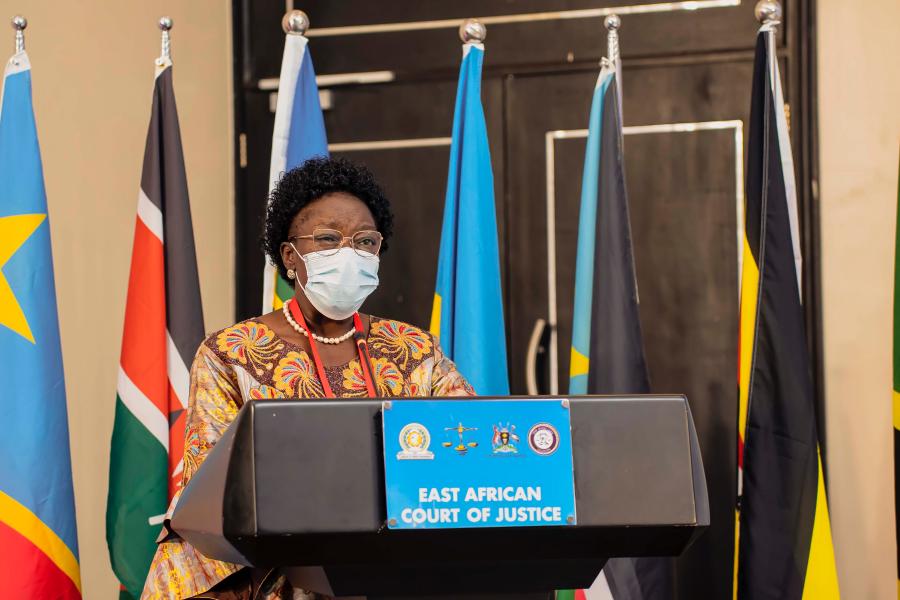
[163,329]
[38,541]
[607,342]
[467,315]
[299,135]
[784,548]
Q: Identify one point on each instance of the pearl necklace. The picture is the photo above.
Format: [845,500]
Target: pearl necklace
[318,338]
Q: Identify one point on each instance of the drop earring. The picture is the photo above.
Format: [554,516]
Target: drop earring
[292,274]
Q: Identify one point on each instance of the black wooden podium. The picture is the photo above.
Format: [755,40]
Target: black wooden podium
[301,483]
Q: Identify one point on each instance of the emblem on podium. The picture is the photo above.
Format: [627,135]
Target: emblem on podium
[543,439]
[414,439]
[462,447]
[504,440]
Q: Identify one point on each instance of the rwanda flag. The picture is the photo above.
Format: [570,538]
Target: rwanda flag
[467,315]
[784,549]
[607,344]
[39,556]
[298,136]
[163,329]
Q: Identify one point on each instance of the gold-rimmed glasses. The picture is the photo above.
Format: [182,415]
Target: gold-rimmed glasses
[329,241]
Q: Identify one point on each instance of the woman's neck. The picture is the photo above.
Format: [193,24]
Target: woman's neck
[319,323]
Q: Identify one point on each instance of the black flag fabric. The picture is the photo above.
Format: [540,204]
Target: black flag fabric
[784,547]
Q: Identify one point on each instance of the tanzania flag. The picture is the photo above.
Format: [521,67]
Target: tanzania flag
[163,329]
[607,344]
[897,381]
[785,547]
[298,136]
[38,541]
[467,315]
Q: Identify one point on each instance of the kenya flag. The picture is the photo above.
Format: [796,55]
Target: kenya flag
[163,328]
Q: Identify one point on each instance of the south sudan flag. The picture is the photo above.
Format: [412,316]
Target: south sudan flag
[785,547]
[163,329]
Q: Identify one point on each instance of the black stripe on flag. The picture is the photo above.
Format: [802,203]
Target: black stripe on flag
[164,181]
[780,445]
[617,363]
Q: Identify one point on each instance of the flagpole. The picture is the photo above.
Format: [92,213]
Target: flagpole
[613,23]
[19,23]
[295,22]
[768,13]
[165,25]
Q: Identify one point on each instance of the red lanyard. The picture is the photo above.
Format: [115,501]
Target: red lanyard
[361,347]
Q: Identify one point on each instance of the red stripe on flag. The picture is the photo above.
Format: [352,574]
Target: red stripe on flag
[580,595]
[26,572]
[144,338]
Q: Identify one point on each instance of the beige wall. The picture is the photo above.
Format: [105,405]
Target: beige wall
[92,67]
[859,128]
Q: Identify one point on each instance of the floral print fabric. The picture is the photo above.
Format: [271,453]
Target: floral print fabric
[248,361]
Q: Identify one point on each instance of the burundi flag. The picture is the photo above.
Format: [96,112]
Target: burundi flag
[467,315]
[298,136]
[607,343]
[38,541]
[163,329]
[784,536]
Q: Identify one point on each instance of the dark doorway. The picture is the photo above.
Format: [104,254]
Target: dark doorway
[686,84]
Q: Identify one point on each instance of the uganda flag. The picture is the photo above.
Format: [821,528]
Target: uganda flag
[38,538]
[163,329]
[784,549]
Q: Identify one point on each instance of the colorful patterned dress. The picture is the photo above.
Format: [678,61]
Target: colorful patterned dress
[248,361]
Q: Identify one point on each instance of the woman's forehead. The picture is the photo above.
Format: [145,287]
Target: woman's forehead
[337,210]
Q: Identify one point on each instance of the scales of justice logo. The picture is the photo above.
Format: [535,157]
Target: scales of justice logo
[414,441]
[504,440]
[462,448]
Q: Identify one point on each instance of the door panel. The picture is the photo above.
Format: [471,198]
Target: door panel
[686,204]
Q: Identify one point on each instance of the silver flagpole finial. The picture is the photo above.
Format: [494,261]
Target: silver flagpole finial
[165,25]
[612,23]
[295,22]
[19,23]
[768,12]
[472,31]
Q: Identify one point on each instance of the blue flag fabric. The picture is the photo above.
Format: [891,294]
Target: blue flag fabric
[468,304]
[37,507]
[298,135]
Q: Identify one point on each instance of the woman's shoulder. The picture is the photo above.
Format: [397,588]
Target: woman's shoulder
[247,340]
[402,341]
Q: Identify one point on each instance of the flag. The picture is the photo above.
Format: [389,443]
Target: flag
[299,135]
[784,545]
[467,315]
[607,354]
[897,382]
[39,556]
[163,329]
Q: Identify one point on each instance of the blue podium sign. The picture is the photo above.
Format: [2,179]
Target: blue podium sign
[478,463]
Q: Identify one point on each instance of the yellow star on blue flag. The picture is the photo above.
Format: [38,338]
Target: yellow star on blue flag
[37,505]
[14,230]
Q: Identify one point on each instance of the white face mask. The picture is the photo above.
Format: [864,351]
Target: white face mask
[337,284]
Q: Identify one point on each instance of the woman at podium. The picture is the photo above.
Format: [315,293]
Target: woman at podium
[327,224]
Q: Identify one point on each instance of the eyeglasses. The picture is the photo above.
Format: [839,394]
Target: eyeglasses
[329,241]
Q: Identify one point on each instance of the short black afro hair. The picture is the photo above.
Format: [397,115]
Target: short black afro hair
[310,181]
